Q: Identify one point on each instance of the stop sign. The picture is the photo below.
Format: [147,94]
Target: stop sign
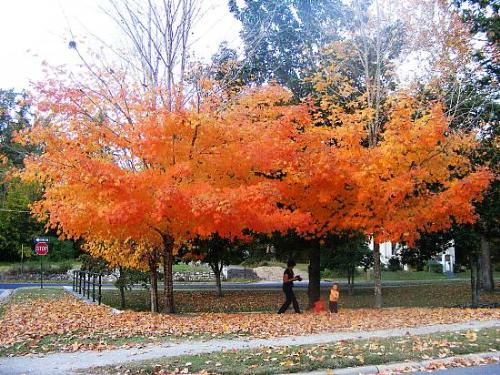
[41,248]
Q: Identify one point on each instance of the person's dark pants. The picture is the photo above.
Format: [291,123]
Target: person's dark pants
[290,298]
[334,307]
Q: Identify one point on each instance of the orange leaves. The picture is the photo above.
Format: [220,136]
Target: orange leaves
[148,171]
[418,177]
[97,327]
[127,168]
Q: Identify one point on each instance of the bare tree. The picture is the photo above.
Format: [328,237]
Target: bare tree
[158,33]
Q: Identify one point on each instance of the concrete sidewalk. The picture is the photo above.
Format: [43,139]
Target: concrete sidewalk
[4,294]
[66,363]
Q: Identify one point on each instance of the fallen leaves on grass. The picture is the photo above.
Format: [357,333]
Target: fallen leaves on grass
[70,325]
[286,359]
[426,295]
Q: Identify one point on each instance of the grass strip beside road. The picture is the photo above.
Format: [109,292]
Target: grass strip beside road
[277,360]
[28,294]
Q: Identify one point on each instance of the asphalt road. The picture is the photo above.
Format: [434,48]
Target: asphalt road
[264,285]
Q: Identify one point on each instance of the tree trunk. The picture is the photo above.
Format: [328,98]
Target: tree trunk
[217,272]
[153,275]
[351,285]
[475,279]
[168,285]
[218,279]
[377,275]
[349,279]
[313,290]
[122,297]
[486,269]
[121,286]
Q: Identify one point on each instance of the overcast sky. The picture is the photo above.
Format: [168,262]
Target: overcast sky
[36,30]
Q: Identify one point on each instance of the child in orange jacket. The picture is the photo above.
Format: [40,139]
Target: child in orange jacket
[334,298]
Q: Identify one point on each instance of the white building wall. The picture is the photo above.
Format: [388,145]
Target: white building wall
[385,251]
[448,259]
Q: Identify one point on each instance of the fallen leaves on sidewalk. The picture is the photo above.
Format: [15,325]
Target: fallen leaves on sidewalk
[68,324]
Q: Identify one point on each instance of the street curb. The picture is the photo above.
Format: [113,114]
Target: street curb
[416,366]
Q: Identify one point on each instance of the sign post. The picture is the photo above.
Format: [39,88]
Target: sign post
[41,249]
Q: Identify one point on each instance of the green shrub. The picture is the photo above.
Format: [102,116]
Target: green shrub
[457,268]
[435,267]
[394,264]
[27,268]
[94,264]
[61,250]
[337,273]
[329,274]
[62,267]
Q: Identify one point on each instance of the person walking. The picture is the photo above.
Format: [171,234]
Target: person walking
[288,279]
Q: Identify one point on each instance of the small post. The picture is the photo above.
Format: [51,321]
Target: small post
[84,281]
[41,271]
[93,287]
[88,285]
[22,260]
[79,282]
[100,283]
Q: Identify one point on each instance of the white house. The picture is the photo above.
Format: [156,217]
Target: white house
[388,250]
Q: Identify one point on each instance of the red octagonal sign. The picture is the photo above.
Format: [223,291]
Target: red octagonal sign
[41,248]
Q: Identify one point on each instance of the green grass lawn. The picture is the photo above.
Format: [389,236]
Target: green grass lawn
[33,265]
[402,276]
[430,295]
[184,267]
[278,360]
[26,294]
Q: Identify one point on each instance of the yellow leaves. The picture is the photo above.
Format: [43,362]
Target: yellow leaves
[3,160]
[471,336]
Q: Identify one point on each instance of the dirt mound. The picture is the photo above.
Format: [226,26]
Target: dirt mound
[275,273]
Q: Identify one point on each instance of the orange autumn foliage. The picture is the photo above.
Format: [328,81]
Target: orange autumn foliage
[123,172]
[417,178]
[124,179]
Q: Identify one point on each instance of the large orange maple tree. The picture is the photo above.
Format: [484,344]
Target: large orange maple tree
[416,178]
[122,171]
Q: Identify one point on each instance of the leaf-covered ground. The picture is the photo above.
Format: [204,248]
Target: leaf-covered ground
[427,295]
[279,360]
[67,324]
